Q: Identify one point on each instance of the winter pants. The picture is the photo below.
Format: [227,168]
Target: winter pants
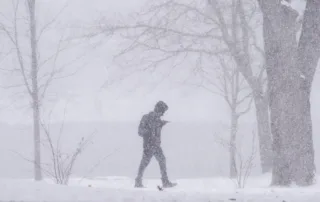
[148,152]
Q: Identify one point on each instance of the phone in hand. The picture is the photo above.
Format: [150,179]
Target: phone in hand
[164,122]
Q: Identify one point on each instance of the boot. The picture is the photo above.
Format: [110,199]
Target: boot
[138,183]
[167,184]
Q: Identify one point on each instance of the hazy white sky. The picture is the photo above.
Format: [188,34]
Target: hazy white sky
[83,93]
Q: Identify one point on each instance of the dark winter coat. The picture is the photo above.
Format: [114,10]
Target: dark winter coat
[150,129]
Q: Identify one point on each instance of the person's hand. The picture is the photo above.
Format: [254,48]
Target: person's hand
[164,122]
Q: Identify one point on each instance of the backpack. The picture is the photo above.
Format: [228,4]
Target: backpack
[144,127]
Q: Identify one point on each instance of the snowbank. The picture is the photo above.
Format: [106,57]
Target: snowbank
[118,189]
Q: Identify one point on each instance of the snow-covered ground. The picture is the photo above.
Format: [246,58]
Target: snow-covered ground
[116,189]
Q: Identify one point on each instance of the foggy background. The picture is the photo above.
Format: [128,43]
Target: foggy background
[113,112]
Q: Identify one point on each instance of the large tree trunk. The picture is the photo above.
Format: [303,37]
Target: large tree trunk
[35,92]
[233,145]
[290,70]
[308,54]
[264,133]
[280,44]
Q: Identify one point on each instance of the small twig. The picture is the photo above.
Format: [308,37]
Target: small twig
[97,164]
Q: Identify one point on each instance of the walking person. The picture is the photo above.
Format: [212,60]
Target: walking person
[150,130]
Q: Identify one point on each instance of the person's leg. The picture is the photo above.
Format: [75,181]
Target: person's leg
[163,167]
[146,158]
[162,162]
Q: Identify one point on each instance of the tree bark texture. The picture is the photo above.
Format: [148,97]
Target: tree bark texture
[233,144]
[35,91]
[290,69]
[264,133]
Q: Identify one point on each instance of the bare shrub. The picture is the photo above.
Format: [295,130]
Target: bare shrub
[242,165]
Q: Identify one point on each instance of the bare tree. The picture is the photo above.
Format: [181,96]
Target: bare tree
[213,28]
[291,66]
[35,87]
[24,36]
[226,81]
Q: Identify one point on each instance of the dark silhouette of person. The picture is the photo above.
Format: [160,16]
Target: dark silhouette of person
[150,130]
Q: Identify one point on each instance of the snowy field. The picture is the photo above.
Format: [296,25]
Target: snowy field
[116,189]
